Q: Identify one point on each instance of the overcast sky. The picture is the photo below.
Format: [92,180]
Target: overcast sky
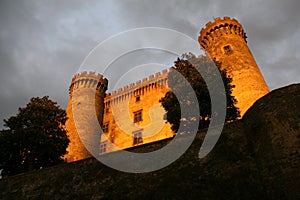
[43,43]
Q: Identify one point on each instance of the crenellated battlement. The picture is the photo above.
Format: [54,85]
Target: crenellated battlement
[88,80]
[224,40]
[152,78]
[225,26]
[140,86]
[87,91]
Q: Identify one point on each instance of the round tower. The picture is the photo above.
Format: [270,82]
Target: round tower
[224,40]
[85,114]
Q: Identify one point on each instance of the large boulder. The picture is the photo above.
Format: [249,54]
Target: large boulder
[272,126]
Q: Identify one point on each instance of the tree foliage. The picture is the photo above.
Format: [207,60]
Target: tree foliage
[35,137]
[188,67]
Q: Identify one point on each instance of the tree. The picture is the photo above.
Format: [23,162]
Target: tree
[35,137]
[188,67]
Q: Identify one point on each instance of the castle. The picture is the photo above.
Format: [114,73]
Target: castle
[133,116]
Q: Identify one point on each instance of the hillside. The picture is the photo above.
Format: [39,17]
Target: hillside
[256,157]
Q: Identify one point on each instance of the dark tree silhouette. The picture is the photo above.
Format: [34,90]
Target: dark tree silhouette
[35,137]
[187,67]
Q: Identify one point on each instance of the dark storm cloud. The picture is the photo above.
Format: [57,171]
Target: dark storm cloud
[42,43]
[272,28]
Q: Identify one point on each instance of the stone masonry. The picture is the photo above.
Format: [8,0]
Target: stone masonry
[131,116]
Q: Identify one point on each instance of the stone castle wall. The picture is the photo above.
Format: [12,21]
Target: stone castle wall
[90,109]
[84,113]
[119,109]
[224,40]
[133,116]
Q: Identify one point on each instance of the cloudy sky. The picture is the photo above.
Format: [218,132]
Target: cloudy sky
[43,43]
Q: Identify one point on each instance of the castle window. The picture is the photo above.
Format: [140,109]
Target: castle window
[227,49]
[137,116]
[106,110]
[105,127]
[137,98]
[137,137]
[102,148]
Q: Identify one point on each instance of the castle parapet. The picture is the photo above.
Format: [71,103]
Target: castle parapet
[224,40]
[85,113]
[88,80]
[139,87]
[225,26]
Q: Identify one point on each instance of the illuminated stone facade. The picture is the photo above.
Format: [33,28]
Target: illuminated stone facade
[133,116]
[129,117]
[84,112]
[224,40]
